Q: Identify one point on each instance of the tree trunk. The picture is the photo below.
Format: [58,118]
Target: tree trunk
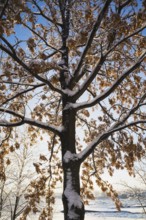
[73,205]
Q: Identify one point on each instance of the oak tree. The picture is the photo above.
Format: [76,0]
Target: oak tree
[74,71]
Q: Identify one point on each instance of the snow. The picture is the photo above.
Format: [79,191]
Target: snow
[43,125]
[73,198]
[69,157]
[61,62]
[82,104]
[60,128]
[89,147]
[68,92]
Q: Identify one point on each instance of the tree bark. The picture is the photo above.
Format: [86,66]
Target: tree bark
[73,205]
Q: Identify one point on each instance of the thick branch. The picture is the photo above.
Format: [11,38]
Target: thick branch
[25,120]
[55,129]
[100,63]
[90,40]
[20,62]
[117,126]
[90,148]
[107,92]
[90,78]
[3,9]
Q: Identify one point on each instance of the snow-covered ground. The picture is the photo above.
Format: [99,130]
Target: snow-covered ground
[91,217]
[103,208]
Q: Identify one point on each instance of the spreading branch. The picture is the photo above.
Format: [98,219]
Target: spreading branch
[112,88]
[117,126]
[100,17]
[21,93]
[100,63]
[3,9]
[24,120]
[29,70]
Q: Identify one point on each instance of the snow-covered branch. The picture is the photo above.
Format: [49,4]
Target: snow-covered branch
[111,89]
[117,126]
[100,17]
[100,63]
[55,129]
[24,120]
[90,78]
[14,56]
[90,148]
